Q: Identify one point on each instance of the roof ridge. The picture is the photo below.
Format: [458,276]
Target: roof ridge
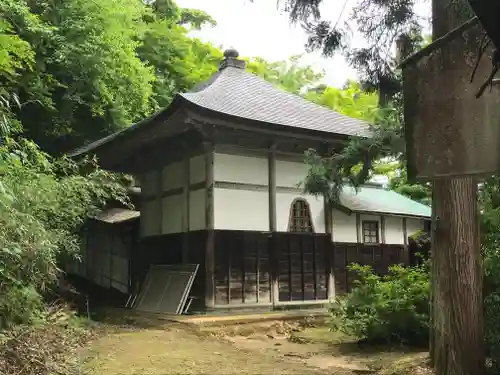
[203,85]
[235,91]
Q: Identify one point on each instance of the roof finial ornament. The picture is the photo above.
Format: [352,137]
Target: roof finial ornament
[231,53]
[231,60]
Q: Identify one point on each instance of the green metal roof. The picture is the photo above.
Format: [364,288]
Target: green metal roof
[377,199]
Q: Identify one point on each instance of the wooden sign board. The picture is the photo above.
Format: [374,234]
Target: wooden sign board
[449,132]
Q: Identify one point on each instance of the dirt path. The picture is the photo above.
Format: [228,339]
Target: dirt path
[177,349]
[275,347]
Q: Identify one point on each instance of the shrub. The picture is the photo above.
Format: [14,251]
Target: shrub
[43,203]
[492,305]
[50,346]
[386,309]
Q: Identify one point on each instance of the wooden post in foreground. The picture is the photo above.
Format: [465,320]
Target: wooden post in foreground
[456,335]
[456,340]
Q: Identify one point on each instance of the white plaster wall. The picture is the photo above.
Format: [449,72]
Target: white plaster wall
[150,218]
[173,176]
[197,169]
[290,174]
[197,210]
[343,227]
[414,225]
[284,202]
[150,183]
[394,233]
[242,169]
[174,212]
[241,209]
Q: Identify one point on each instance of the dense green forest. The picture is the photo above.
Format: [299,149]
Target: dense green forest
[73,71]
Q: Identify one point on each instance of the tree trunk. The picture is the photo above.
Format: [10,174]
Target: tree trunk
[457,306]
[456,332]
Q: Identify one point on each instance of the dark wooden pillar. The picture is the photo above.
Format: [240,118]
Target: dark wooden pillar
[359,230]
[330,259]
[159,197]
[272,227]
[209,221]
[382,230]
[406,251]
[186,219]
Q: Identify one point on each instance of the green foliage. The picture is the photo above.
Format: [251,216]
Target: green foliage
[390,309]
[492,303]
[179,62]
[489,198]
[16,56]
[419,192]
[351,101]
[356,162]
[43,203]
[84,69]
[291,75]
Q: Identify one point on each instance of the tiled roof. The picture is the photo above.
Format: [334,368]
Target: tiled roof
[236,92]
[379,200]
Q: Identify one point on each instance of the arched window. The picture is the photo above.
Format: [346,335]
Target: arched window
[300,217]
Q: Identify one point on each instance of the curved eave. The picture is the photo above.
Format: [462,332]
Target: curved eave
[227,119]
[143,125]
[201,113]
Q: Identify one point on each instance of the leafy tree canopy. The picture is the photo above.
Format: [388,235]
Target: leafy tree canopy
[88,68]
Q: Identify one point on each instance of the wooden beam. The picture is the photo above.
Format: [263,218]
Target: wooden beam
[273,225]
[186,191]
[174,191]
[113,153]
[159,197]
[259,152]
[272,190]
[299,134]
[209,223]
[245,142]
[330,263]
[358,228]
[159,153]
[406,251]
[405,231]
[382,229]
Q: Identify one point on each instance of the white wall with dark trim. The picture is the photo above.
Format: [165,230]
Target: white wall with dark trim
[174,198]
[241,200]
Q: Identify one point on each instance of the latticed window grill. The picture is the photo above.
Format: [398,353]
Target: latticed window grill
[370,232]
[300,217]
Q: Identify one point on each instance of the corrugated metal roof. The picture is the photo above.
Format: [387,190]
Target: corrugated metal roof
[379,200]
[236,92]
[117,215]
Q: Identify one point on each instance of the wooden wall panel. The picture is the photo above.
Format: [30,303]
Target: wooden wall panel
[242,267]
[302,266]
[321,249]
